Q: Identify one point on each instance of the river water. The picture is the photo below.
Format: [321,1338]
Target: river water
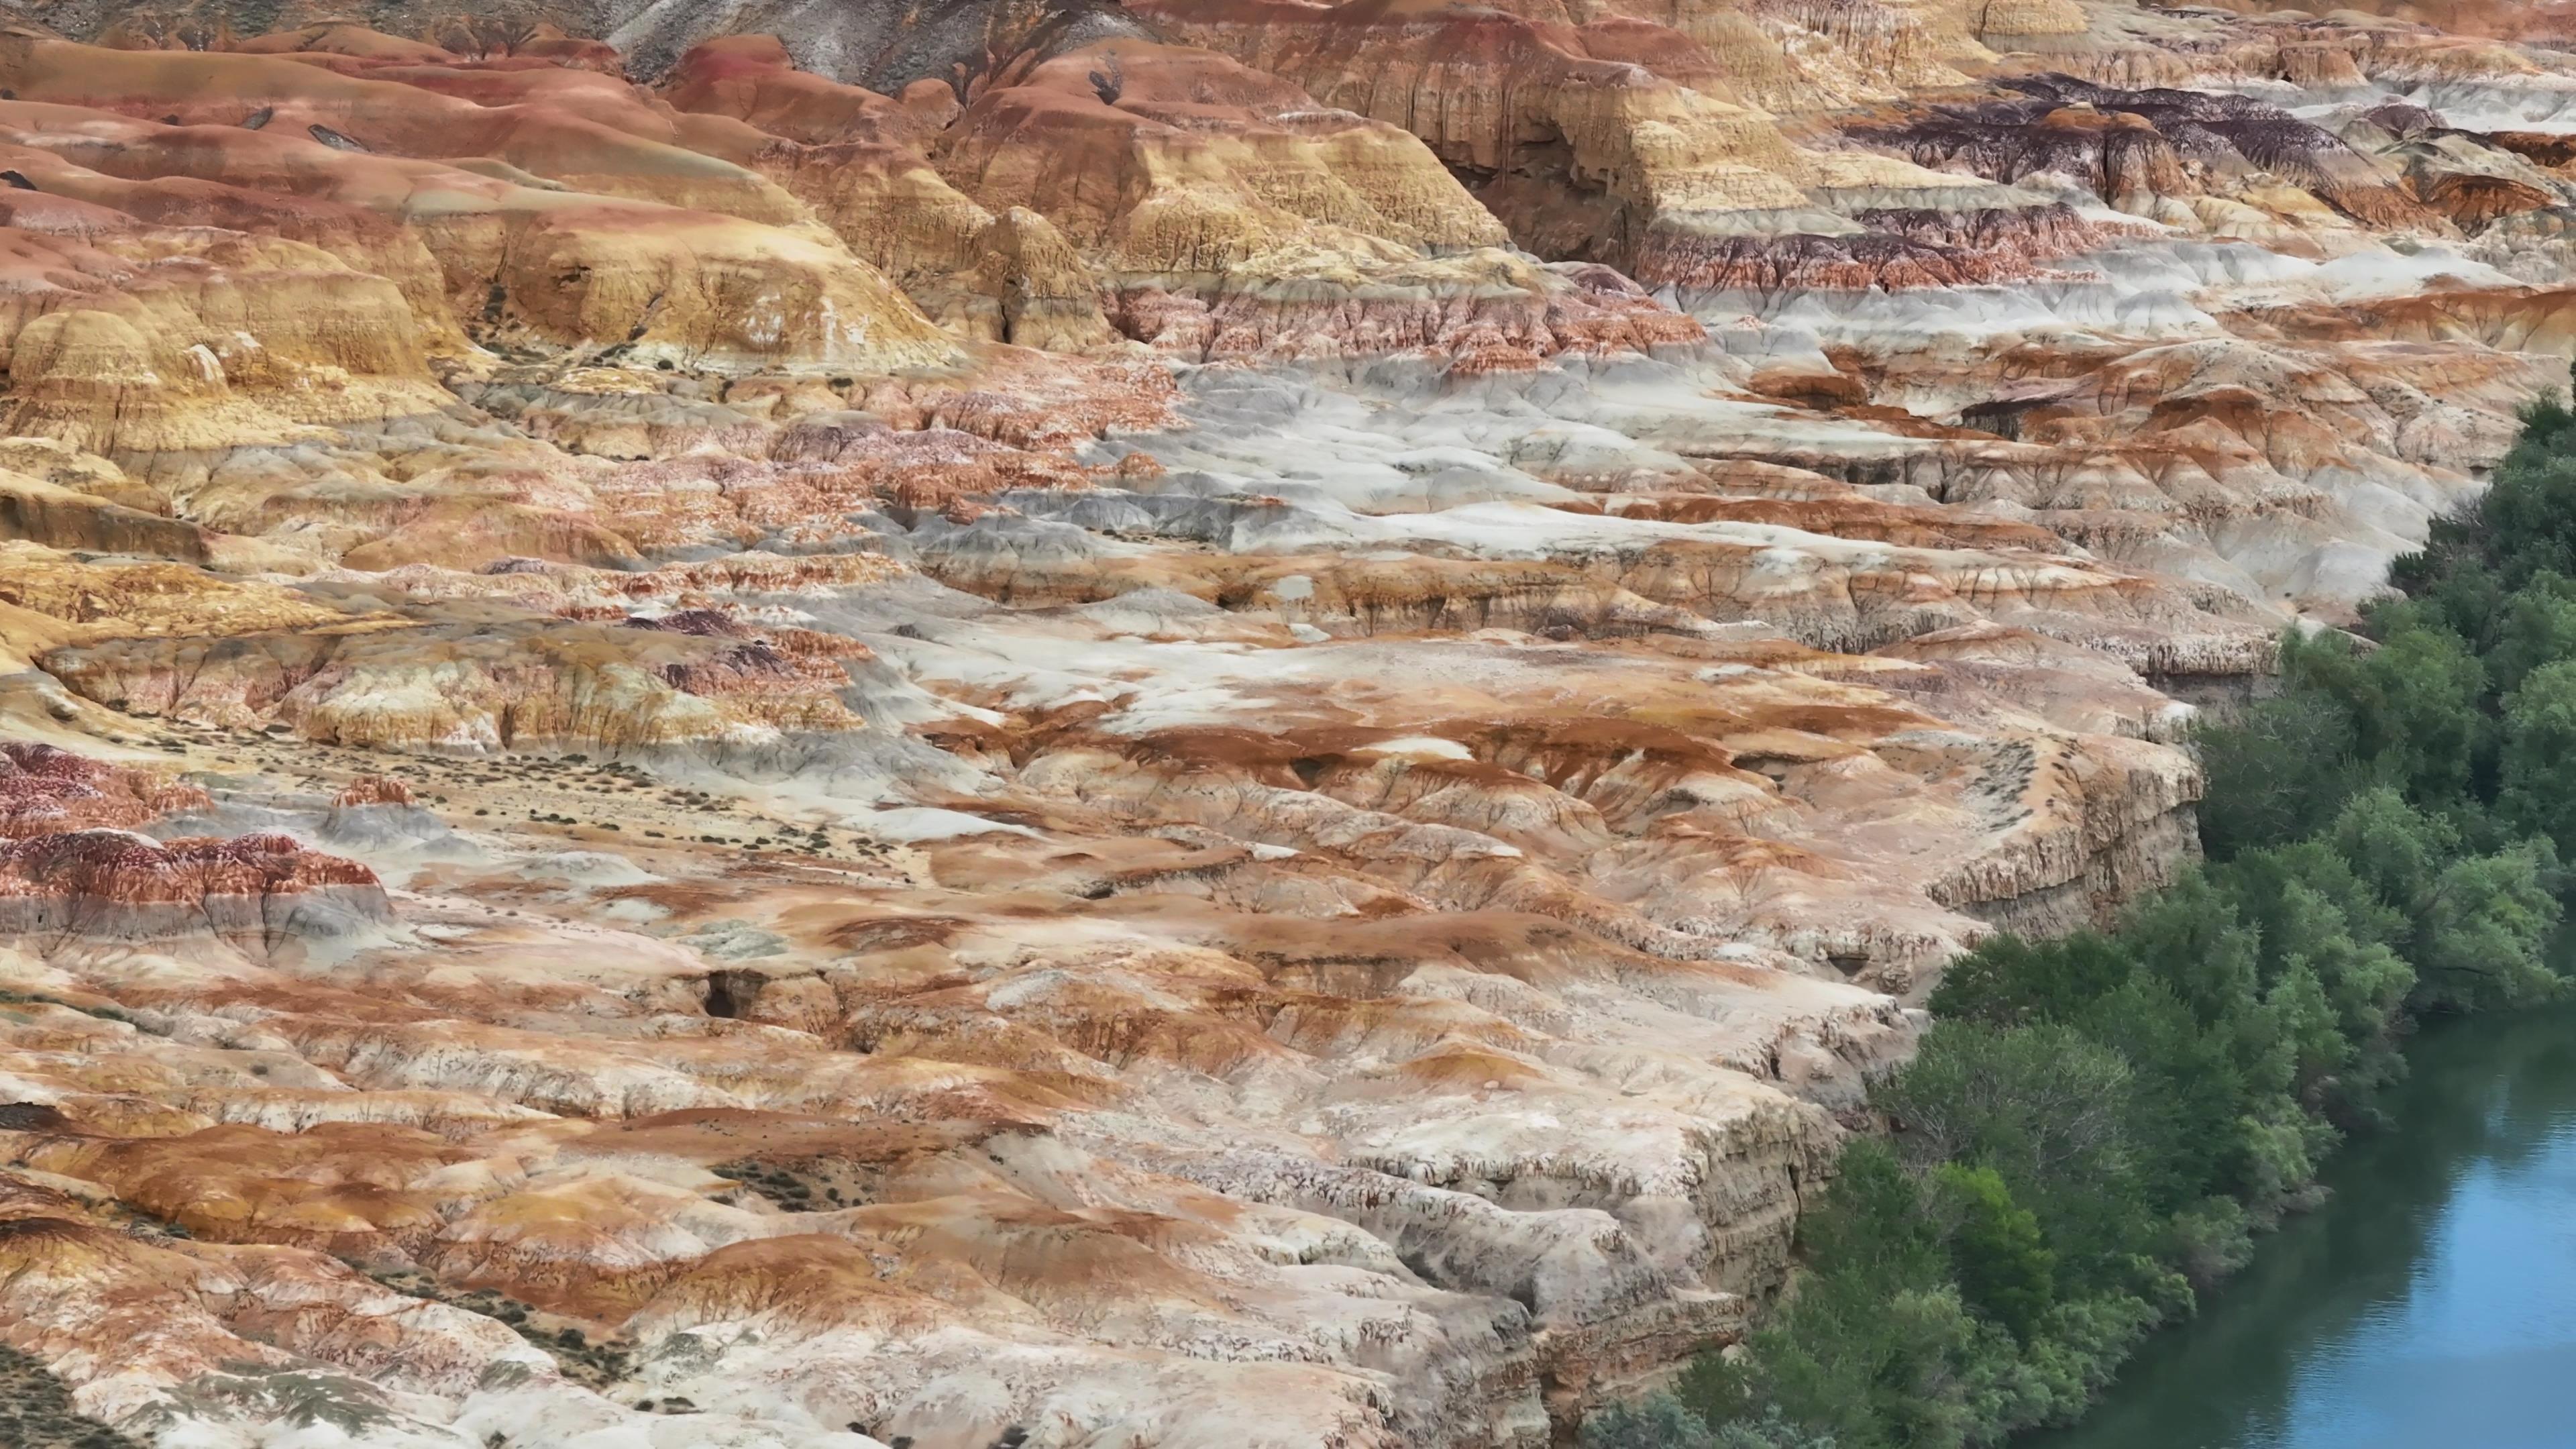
[2431,1304]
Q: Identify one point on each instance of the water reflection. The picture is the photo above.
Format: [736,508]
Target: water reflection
[2431,1304]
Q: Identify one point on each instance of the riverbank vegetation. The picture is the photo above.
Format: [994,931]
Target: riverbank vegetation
[2095,1126]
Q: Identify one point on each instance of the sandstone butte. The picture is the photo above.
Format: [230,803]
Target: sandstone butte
[1219,724]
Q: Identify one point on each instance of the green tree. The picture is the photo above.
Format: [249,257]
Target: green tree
[2533,626]
[2486,930]
[2525,523]
[1772,1431]
[2414,703]
[1876,1348]
[1657,1421]
[2277,772]
[2181,1123]
[2395,849]
[2478,927]
[2010,980]
[2294,895]
[2537,772]
[2310,1029]
[2005,1270]
[1899,1371]
[1871,1225]
[2189,936]
[2045,1107]
[2522,525]
[2325,933]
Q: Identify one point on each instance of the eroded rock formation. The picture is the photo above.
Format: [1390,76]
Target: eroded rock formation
[1197,722]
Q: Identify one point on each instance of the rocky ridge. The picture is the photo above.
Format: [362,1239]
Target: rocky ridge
[1196,722]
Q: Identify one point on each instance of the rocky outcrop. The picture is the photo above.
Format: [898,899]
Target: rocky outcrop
[115,885]
[1540,117]
[45,790]
[753,79]
[2139,149]
[550,261]
[487,685]
[1122,148]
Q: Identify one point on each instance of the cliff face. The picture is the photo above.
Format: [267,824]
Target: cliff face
[1198,722]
